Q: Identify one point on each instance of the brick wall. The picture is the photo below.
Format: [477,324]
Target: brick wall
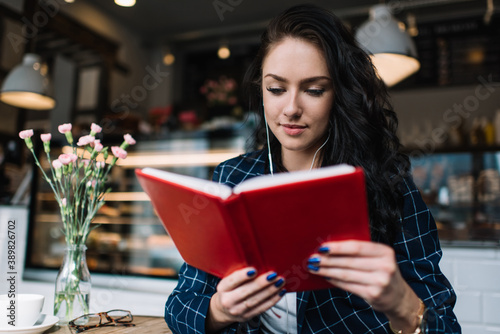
[475,275]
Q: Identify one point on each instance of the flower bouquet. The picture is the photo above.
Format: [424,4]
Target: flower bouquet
[78,180]
[220,92]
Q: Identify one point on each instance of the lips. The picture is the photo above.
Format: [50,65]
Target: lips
[293,129]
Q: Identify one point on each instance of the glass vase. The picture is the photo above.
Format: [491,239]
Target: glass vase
[72,291]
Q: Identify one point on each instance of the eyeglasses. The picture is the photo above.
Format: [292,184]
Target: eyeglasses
[102,319]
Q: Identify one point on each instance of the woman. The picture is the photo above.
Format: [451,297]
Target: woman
[324,105]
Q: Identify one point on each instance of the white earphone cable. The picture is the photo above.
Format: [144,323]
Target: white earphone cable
[314,157]
[268,145]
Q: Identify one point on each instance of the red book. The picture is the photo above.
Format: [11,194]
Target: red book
[268,222]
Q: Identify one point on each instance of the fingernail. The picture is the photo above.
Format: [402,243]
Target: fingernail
[323,249]
[314,260]
[279,282]
[251,272]
[312,267]
[272,276]
[282,292]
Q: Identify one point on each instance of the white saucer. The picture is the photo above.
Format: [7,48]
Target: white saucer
[43,323]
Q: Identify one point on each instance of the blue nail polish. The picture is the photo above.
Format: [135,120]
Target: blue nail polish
[312,267]
[279,282]
[323,249]
[272,276]
[314,260]
[251,272]
[282,292]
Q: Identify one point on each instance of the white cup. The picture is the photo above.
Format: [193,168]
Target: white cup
[23,310]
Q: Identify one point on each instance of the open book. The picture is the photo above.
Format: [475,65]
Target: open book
[269,222]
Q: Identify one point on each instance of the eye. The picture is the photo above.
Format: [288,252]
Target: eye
[275,91]
[315,92]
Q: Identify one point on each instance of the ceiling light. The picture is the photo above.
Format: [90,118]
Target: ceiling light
[224,52]
[392,50]
[27,85]
[169,58]
[125,3]
[412,25]
[69,1]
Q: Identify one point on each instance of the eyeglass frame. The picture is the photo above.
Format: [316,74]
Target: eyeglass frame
[111,321]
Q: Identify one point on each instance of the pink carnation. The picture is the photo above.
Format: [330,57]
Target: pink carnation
[66,159]
[63,201]
[128,139]
[100,164]
[85,162]
[85,140]
[98,146]
[119,152]
[95,128]
[63,128]
[26,134]
[46,137]
[56,164]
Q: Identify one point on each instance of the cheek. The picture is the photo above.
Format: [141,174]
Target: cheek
[323,110]
[273,106]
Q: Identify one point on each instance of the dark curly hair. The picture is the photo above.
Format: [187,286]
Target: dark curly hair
[362,122]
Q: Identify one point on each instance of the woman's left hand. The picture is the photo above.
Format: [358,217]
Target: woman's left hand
[369,270]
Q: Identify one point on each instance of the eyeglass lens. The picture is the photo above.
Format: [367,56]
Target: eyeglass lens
[96,319]
[120,315]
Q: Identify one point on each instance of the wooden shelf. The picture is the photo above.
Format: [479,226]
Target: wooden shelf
[102,220]
[451,149]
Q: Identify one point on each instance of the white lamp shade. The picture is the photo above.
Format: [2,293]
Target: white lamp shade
[393,68]
[393,52]
[125,3]
[26,86]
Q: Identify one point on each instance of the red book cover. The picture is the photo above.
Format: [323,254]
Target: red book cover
[269,222]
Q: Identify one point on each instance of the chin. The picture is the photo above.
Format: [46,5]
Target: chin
[296,148]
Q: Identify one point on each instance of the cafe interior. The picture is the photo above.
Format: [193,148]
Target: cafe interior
[168,73]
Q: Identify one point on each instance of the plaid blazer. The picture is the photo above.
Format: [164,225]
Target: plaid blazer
[332,310]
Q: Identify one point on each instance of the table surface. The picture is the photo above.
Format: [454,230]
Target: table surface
[143,325]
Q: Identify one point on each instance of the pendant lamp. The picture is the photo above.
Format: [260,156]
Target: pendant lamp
[392,50]
[125,3]
[27,86]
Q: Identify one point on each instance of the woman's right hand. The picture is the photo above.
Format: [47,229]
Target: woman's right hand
[241,296]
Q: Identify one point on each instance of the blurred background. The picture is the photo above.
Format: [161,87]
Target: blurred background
[169,73]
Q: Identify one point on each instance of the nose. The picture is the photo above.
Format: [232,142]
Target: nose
[293,107]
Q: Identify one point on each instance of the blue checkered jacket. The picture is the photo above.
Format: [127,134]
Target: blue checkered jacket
[333,310]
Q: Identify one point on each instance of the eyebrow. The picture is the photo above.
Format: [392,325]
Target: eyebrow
[306,80]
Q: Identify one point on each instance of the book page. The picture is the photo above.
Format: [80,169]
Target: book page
[206,186]
[269,181]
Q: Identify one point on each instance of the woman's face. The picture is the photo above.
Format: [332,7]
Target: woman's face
[298,95]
